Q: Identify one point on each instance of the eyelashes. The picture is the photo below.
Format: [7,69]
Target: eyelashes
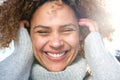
[47,32]
[67,30]
[42,32]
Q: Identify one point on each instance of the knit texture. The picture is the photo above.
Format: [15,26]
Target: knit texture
[76,71]
[17,66]
[103,65]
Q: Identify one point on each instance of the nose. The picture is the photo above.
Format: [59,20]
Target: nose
[56,43]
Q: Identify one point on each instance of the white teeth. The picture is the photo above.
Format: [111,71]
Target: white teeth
[56,55]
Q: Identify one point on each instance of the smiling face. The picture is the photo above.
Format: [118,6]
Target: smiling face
[55,37]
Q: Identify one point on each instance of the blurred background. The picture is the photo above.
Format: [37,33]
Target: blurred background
[113,7]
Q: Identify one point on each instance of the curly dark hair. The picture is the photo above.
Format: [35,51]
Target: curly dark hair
[13,11]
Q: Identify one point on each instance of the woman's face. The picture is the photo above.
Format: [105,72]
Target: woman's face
[55,36]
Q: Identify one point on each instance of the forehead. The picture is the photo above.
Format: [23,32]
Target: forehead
[50,14]
[53,9]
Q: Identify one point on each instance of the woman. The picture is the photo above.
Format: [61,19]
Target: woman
[55,33]
[59,46]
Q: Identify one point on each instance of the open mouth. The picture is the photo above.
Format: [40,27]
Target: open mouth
[58,56]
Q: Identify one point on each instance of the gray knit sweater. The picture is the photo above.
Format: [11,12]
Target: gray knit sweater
[104,66]
[17,66]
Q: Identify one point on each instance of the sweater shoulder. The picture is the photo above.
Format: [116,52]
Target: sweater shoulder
[23,39]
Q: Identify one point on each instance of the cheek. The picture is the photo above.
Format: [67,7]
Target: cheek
[73,41]
[37,42]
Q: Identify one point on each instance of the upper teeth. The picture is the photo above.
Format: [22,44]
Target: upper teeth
[56,55]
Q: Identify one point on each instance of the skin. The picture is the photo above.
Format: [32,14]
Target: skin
[55,34]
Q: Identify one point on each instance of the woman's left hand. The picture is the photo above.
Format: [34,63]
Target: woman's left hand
[87,26]
[92,25]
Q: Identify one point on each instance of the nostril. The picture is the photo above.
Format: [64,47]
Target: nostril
[57,44]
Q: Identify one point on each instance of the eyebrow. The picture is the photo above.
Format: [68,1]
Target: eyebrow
[69,25]
[47,27]
[41,26]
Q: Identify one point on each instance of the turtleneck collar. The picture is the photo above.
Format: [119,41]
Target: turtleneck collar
[75,71]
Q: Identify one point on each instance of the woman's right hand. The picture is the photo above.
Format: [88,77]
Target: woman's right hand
[24,23]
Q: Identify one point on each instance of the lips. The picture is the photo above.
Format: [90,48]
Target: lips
[56,56]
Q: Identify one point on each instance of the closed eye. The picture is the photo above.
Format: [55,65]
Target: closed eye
[67,30]
[42,32]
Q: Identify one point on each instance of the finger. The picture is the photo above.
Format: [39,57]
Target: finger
[24,23]
[88,23]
